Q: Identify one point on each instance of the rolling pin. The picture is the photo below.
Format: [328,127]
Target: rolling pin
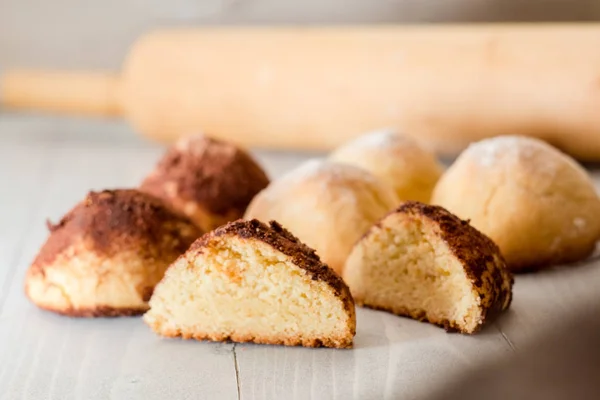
[312,88]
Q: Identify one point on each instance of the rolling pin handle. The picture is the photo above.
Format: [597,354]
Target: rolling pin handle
[87,93]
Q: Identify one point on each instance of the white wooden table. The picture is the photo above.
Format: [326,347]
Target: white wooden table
[47,165]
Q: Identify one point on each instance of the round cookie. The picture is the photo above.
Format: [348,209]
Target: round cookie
[329,206]
[535,202]
[397,160]
[210,181]
[106,255]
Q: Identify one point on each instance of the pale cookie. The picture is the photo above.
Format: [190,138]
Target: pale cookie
[329,206]
[409,168]
[535,202]
[422,262]
[251,282]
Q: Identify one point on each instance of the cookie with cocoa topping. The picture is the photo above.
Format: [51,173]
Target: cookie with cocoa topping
[209,180]
[423,262]
[106,255]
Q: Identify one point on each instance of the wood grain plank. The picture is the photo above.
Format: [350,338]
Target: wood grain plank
[51,357]
[17,207]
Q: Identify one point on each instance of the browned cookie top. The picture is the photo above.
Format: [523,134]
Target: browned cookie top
[474,250]
[214,173]
[281,239]
[111,221]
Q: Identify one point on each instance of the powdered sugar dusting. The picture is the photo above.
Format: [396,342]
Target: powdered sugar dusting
[303,171]
[198,145]
[490,152]
[189,141]
[327,169]
[328,172]
[379,139]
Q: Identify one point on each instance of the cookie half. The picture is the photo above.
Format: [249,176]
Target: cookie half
[423,262]
[251,282]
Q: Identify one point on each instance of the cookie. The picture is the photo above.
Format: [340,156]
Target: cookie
[106,255]
[537,204]
[251,282]
[209,180]
[329,206]
[422,262]
[409,168]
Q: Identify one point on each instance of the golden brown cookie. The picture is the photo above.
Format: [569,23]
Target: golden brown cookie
[209,180]
[399,161]
[106,255]
[251,282]
[329,206]
[537,204]
[422,262]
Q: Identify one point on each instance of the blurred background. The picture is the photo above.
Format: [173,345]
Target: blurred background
[97,34]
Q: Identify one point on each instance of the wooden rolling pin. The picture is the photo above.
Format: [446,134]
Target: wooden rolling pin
[313,88]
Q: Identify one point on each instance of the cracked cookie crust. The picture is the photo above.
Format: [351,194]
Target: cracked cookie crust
[535,202]
[106,255]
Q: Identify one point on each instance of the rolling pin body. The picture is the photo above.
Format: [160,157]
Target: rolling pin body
[313,88]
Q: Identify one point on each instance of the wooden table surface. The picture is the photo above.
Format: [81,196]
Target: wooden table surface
[47,165]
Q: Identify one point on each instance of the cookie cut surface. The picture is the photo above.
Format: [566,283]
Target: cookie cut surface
[251,282]
[423,262]
[106,255]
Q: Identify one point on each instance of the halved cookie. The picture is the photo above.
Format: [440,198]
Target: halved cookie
[423,262]
[106,255]
[251,282]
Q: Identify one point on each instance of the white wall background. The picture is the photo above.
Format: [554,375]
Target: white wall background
[97,33]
